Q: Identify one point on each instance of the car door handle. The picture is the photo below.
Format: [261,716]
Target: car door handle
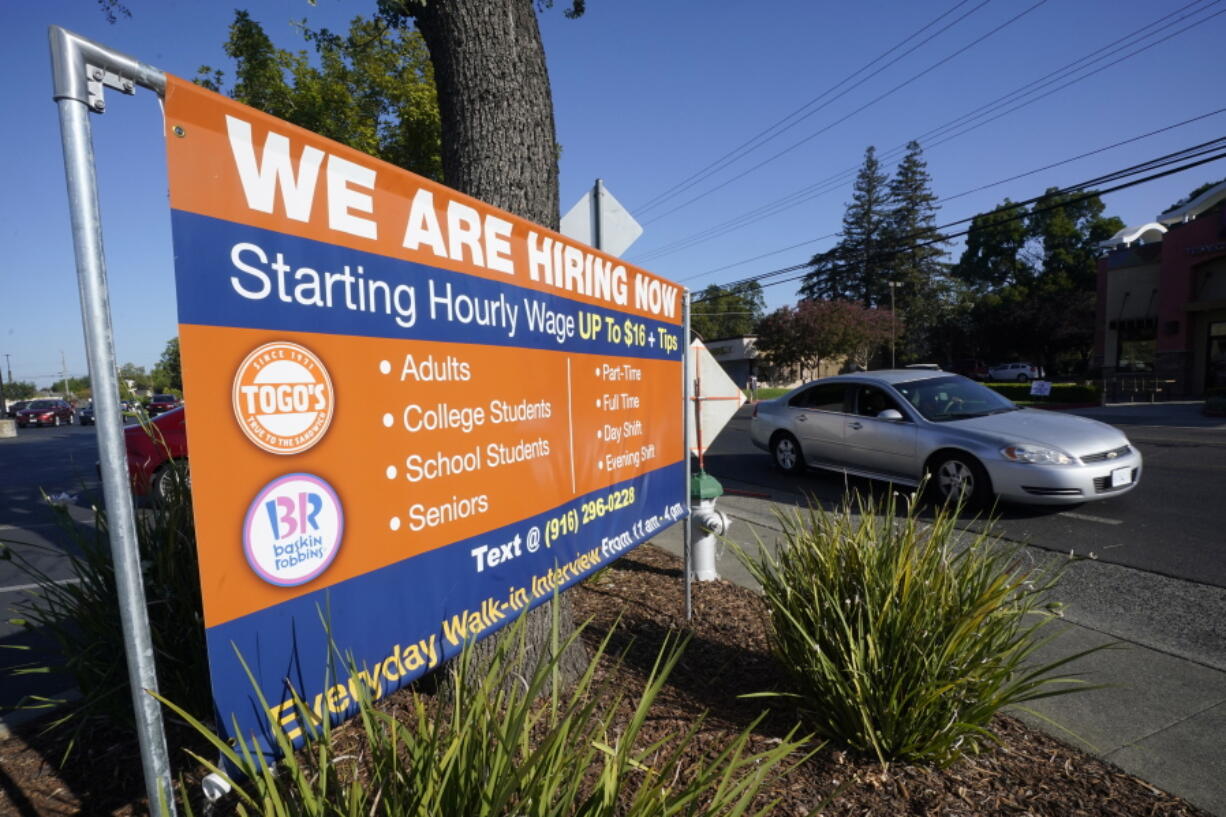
[802,418]
[855,425]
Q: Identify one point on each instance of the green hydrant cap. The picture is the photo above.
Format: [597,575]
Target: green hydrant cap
[704,486]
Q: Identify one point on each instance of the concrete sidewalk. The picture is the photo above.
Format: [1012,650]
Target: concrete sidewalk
[1183,414]
[1163,717]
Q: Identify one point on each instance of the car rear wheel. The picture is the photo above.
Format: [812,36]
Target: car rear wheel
[1022,378]
[171,481]
[785,451]
[959,478]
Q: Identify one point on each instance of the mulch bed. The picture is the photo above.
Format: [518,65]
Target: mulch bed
[1030,773]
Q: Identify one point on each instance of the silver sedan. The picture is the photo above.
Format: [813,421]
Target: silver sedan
[970,442]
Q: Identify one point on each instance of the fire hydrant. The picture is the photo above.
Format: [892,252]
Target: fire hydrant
[711,523]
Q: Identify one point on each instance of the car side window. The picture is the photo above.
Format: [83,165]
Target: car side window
[823,397]
[871,401]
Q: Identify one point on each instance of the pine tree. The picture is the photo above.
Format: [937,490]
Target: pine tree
[913,254]
[855,267]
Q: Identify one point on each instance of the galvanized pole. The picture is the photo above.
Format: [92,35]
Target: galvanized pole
[685,432]
[81,68]
[597,207]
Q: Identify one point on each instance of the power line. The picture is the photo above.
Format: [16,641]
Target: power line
[943,237]
[747,147]
[837,180]
[983,187]
[858,110]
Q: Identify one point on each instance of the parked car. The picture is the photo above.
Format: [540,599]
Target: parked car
[16,407]
[86,415]
[160,403]
[45,412]
[970,442]
[969,367]
[1015,372]
[157,455]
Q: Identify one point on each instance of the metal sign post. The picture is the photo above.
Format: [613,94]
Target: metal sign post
[685,410]
[80,70]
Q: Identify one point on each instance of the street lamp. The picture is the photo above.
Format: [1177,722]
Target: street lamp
[893,284]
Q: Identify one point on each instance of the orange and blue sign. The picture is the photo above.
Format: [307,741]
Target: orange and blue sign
[412,416]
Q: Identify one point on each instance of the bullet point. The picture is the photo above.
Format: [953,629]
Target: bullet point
[391,472]
[388,420]
[385,367]
[598,435]
[599,465]
[598,403]
[395,523]
[598,371]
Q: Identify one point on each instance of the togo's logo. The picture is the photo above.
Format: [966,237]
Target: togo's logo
[293,529]
[283,398]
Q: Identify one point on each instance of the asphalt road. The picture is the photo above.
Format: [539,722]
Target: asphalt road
[37,464]
[1168,525]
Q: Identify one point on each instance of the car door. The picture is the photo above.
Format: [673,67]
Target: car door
[817,416]
[876,445]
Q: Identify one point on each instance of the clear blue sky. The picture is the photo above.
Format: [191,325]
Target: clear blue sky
[646,93]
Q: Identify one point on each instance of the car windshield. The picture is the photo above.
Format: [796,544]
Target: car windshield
[942,399]
[163,398]
[42,404]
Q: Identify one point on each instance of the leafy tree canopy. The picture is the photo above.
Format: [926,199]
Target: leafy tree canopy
[728,313]
[373,88]
[799,338]
[19,390]
[167,372]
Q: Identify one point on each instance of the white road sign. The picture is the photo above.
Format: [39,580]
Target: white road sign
[716,395]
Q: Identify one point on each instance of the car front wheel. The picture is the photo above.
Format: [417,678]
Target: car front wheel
[785,450]
[959,478]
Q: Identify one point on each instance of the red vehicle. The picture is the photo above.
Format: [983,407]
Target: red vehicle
[974,369]
[161,403]
[45,413]
[157,456]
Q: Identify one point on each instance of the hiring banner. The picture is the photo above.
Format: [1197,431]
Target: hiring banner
[410,416]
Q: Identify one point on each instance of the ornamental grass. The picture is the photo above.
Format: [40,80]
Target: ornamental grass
[510,739]
[903,636]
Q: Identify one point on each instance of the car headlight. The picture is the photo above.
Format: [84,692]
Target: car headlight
[1037,454]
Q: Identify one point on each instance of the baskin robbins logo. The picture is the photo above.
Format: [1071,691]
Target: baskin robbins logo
[293,529]
[283,398]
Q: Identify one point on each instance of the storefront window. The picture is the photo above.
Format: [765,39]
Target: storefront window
[1136,352]
[1215,373]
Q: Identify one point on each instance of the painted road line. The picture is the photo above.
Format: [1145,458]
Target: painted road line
[17,588]
[1085,517]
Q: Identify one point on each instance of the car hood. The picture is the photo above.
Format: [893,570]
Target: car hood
[1078,436]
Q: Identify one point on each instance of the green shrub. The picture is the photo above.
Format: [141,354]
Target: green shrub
[903,640]
[82,617]
[514,742]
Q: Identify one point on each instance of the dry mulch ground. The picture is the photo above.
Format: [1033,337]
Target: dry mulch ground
[1030,773]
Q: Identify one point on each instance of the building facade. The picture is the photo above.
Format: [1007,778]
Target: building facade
[1161,309]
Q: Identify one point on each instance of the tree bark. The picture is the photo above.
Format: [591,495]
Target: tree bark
[499,146]
[499,143]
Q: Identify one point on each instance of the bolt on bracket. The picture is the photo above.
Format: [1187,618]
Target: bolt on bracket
[97,78]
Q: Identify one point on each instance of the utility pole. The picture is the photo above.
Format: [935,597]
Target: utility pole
[893,284]
[8,364]
[64,374]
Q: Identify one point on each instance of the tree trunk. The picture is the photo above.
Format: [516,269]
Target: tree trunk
[499,146]
[499,143]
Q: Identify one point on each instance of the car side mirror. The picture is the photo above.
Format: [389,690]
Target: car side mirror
[893,415]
